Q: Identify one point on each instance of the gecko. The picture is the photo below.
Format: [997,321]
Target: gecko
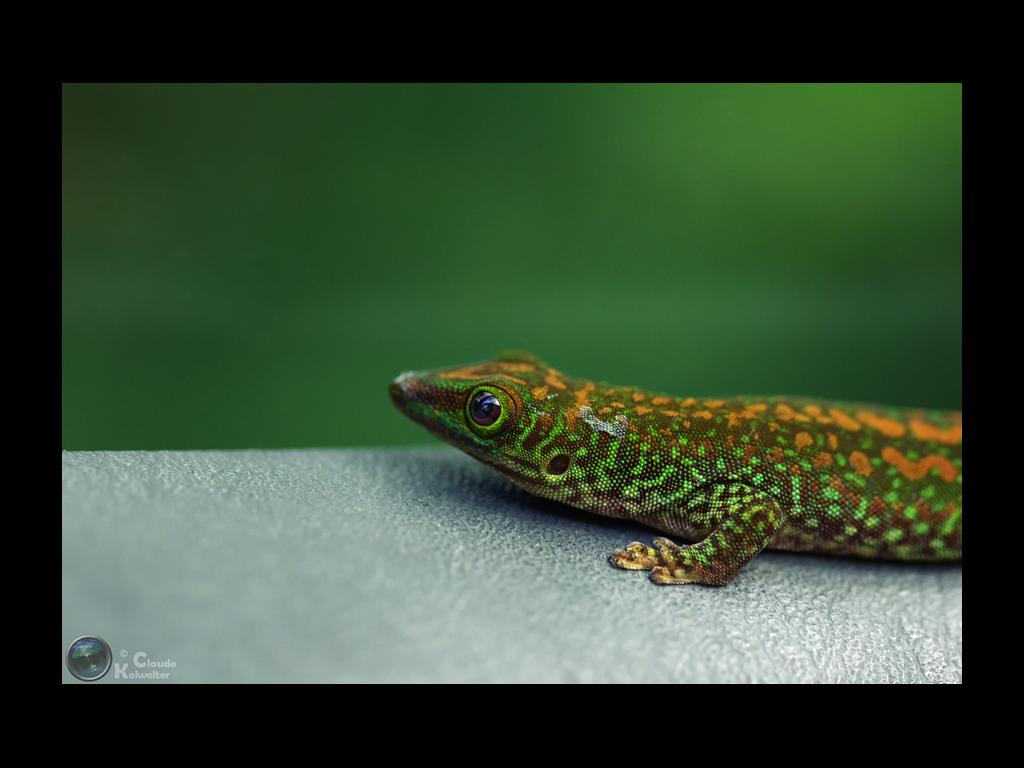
[727,477]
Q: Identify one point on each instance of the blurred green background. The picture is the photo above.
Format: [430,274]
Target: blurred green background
[249,266]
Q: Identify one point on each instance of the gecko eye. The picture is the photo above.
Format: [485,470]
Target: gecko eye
[489,410]
[485,408]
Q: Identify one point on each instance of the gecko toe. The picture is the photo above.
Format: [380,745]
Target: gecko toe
[663,575]
[635,557]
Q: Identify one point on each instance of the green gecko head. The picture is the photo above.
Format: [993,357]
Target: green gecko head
[509,412]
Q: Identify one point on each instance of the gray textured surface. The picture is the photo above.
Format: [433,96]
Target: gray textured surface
[421,565]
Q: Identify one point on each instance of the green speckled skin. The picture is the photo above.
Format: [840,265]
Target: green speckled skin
[733,475]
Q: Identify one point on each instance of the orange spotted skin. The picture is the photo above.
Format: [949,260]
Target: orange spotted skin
[732,474]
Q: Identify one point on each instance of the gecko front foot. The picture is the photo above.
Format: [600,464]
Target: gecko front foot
[746,518]
[668,563]
[640,557]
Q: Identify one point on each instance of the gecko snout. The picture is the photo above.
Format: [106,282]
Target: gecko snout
[419,396]
[401,389]
[410,390]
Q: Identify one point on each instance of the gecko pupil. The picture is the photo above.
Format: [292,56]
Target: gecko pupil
[485,409]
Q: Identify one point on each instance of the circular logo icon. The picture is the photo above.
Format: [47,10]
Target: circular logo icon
[89,658]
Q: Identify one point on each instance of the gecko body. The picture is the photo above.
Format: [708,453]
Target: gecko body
[730,475]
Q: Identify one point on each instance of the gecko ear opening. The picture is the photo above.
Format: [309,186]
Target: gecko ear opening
[519,356]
